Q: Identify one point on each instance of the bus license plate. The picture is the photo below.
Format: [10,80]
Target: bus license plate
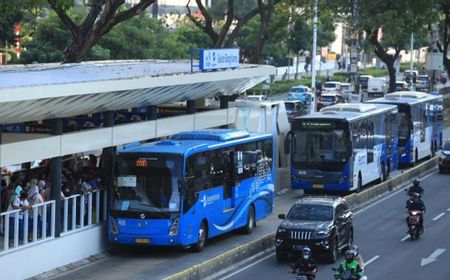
[317,186]
[142,241]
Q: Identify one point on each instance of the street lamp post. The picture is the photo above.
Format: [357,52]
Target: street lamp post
[313,58]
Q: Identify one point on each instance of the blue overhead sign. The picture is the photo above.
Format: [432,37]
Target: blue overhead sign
[212,59]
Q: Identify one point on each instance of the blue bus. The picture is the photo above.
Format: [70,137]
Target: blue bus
[421,124]
[191,187]
[343,147]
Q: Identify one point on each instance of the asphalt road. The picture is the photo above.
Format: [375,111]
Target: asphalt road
[380,233]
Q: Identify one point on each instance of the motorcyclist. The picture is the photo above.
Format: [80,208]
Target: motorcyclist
[350,268]
[306,264]
[418,205]
[358,256]
[415,188]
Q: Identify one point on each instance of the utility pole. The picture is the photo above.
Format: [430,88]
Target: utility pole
[313,59]
[354,50]
[411,63]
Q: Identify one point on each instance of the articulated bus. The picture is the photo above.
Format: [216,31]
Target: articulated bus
[421,123]
[191,187]
[343,147]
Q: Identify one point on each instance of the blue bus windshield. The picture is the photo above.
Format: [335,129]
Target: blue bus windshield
[305,212]
[327,149]
[147,183]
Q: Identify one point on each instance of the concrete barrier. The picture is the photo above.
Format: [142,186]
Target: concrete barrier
[266,243]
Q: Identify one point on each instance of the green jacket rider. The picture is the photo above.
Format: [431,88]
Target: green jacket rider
[350,264]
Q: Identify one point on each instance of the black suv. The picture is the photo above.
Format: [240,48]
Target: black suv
[324,224]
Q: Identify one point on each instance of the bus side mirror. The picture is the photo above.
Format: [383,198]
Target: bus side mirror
[287,143]
[182,186]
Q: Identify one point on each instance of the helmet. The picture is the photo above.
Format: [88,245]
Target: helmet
[355,249]
[416,182]
[349,255]
[306,253]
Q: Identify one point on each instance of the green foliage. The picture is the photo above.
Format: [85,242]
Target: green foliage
[10,15]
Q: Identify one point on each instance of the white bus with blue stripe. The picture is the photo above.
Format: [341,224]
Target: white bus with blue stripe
[343,147]
[194,186]
[420,124]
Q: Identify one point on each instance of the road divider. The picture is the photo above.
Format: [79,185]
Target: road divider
[266,242]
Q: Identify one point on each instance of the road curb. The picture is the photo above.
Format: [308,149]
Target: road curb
[224,260]
[266,242]
[357,199]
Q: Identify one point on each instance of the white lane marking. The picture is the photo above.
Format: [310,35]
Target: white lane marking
[371,260]
[391,195]
[404,238]
[432,257]
[247,267]
[448,209]
[438,217]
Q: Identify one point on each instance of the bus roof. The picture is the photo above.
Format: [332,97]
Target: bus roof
[405,97]
[189,142]
[349,111]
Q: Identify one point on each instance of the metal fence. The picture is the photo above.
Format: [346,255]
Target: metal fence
[20,228]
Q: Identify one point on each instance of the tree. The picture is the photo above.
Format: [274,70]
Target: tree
[388,25]
[227,35]
[103,15]
[10,14]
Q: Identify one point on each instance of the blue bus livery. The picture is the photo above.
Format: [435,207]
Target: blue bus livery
[343,147]
[194,186]
[421,124]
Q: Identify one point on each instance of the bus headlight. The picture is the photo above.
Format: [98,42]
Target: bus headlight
[114,228]
[174,228]
[341,178]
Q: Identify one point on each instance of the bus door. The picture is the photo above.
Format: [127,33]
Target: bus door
[230,180]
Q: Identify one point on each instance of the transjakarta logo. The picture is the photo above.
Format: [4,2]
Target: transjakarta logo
[207,200]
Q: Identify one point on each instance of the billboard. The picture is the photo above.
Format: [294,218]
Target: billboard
[213,59]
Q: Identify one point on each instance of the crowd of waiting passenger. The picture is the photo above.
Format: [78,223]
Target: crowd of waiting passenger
[22,191]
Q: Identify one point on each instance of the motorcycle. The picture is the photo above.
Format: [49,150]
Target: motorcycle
[414,224]
[348,275]
[302,275]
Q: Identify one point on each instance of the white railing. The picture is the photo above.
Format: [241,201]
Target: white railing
[83,210]
[19,228]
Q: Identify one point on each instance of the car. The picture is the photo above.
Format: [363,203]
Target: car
[346,91]
[444,158]
[256,97]
[331,87]
[423,83]
[401,86]
[295,108]
[377,86]
[302,93]
[407,76]
[363,80]
[323,223]
[327,99]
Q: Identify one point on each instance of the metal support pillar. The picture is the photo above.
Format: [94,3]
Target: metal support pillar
[190,107]
[224,102]
[108,162]
[152,112]
[55,177]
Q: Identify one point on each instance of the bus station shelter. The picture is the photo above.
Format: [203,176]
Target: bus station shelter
[54,93]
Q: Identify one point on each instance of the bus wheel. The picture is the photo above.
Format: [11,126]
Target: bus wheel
[359,187]
[251,222]
[202,235]
[383,172]
[433,150]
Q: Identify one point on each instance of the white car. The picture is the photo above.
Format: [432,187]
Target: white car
[332,87]
[377,86]
[346,91]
